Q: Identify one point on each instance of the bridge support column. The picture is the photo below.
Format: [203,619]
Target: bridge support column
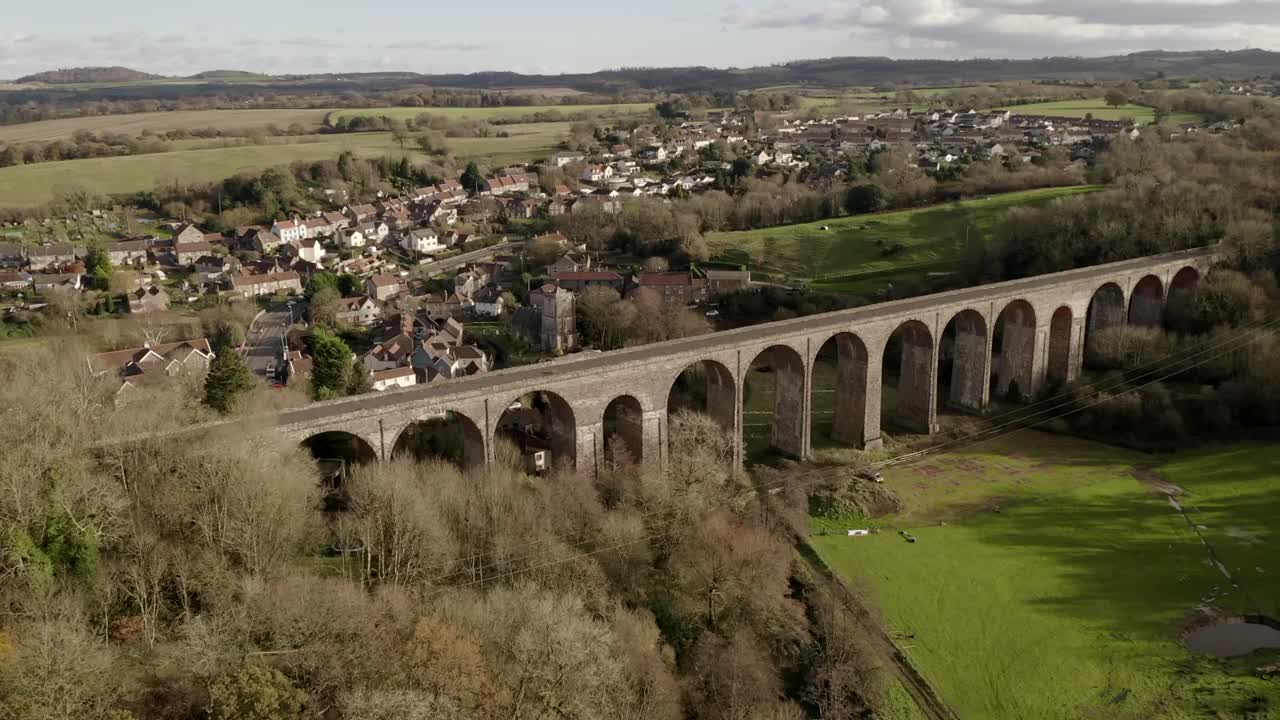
[1040,361]
[790,410]
[590,448]
[871,406]
[970,387]
[1075,352]
[1017,358]
[654,439]
[850,420]
[918,383]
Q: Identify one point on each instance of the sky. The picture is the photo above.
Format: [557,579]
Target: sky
[431,36]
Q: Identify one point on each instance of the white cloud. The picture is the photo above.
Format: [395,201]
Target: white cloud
[1026,28]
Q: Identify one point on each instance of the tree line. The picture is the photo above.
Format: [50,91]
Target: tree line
[221,578]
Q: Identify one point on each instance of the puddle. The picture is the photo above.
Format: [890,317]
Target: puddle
[1235,638]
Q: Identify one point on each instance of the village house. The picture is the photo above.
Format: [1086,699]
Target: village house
[289,231]
[470,280]
[186,253]
[150,362]
[351,238]
[423,242]
[383,287]
[12,255]
[452,361]
[566,157]
[46,256]
[288,282]
[358,214]
[148,300]
[188,233]
[596,173]
[262,241]
[127,252]
[400,377]
[310,250]
[374,232]
[488,301]
[726,281]
[58,281]
[359,310]
[15,281]
[570,262]
[675,288]
[213,267]
[578,282]
[507,183]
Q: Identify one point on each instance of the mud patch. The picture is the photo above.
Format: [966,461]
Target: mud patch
[1151,478]
[1234,637]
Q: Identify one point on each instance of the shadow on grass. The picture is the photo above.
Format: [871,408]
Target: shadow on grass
[1134,563]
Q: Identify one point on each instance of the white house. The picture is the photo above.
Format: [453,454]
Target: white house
[561,159]
[351,238]
[597,173]
[289,231]
[310,250]
[424,242]
[394,378]
[374,232]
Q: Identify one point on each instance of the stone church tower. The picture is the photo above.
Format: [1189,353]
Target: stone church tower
[559,332]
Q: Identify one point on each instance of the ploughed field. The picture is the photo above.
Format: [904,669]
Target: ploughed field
[867,253]
[1056,577]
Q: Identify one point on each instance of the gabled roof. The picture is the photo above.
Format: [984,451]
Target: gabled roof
[135,361]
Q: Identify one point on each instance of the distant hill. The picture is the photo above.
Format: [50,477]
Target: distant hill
[837,72]
[70,76]
[229,75]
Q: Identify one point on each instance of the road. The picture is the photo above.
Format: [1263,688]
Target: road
[456,262]
[266,334]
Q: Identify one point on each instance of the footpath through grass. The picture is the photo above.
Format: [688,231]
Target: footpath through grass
[1052,580]
[857,254]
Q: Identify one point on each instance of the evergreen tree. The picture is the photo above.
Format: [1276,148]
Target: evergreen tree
[228,379]
[332,365]
[359,381]
[471,178]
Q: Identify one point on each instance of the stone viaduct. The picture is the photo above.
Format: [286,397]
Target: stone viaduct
[1020,332]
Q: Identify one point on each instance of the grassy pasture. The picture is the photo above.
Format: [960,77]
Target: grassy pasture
[134,123]
[28,185]
[847,258]
[494,113]
[1099,109]
[1051,580]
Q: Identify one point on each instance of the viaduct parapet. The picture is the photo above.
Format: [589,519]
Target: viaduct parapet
[1022,333]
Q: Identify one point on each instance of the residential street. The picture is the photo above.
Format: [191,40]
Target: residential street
[263,341]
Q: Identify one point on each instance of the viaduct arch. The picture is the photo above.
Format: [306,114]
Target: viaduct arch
[1026,331]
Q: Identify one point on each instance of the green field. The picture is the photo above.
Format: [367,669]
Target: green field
[1052,580]
[133,124]
[850,257]
[27,185]
[496,113]
[1099,109]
